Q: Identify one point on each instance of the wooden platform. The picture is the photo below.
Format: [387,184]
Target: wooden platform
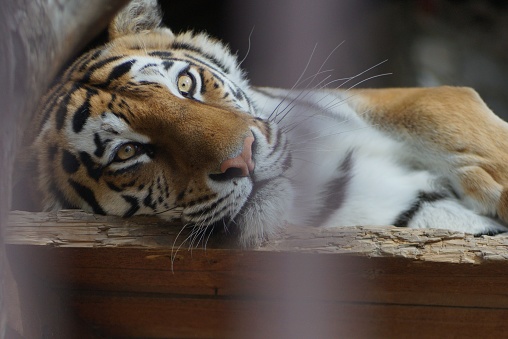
[110,277]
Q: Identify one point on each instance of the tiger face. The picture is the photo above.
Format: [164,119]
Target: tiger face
[154,122]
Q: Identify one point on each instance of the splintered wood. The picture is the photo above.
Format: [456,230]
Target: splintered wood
[75,228]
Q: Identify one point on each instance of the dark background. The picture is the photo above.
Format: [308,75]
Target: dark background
[424,42]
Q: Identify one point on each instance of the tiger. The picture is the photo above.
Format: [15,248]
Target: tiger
[165,124]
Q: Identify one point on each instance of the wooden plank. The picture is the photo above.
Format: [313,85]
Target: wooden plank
[226,273]
[131,278]
[163,317]
[74,228]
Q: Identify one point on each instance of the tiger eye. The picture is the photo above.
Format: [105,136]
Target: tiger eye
[126,151]
[185,84]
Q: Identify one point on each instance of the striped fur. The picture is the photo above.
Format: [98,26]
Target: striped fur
[153,123]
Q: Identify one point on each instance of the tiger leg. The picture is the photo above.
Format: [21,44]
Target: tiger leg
[452,132]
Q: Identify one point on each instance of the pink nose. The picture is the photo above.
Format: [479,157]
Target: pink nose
[242,163]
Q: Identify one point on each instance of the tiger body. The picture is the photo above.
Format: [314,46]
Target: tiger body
[154,122]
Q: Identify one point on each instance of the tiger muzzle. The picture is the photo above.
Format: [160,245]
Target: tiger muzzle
[239,166]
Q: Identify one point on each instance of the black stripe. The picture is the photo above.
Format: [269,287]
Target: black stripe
[49,106]
[147,66]
[62,111]
[405,217]
[210,208]
[276,145]
[91,57]
[111,101]
[134,205]
[166,189]
[61,82]
[148,201]
[86,77]
[268,129]
[130,168]
[211,69]
[200,200]
[202,77]
[129,184]
[180,195]
[100,146]
[83,112]
[93,169]
[207,214]
[61,114]
[113,187]
[167,64]
[335,193]
[87,195]
[147,83]
[122,116]
[117,72]
[52,152]
[184,46]
[161,54]
[238,93]
[287,162]
[70,163]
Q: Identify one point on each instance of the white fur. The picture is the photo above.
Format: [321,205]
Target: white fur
[384,180]
[454,216]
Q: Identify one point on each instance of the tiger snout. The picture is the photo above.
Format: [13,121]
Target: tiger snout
[241,165]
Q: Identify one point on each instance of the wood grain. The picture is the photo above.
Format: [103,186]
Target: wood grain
[129,278]
[75,228]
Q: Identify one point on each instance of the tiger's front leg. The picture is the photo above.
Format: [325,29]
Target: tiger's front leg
[450,131]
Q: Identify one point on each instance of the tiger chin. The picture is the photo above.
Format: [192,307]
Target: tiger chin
[154,122]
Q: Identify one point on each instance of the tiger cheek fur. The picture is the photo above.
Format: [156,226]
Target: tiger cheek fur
[189,141]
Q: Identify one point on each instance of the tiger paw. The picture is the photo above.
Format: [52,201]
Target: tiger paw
[483,190]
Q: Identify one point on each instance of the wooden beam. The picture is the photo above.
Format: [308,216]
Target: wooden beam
[75,228]
[131,278]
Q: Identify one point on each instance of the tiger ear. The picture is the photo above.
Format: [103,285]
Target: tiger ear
[137,16]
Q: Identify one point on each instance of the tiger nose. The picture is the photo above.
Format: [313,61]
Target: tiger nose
[241,165]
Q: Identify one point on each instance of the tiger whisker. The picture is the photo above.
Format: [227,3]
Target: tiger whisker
[365,71]
[291,126]
[347,79]
[168,210]
[333,134]
[205,243]
[174,253]
[206,229]
[248,47]
[333,104]
[297,81]
[299,97]
[356,85]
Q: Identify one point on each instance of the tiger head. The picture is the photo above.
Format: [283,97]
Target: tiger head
[154,122]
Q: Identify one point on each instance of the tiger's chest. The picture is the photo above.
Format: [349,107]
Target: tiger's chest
[344,171]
